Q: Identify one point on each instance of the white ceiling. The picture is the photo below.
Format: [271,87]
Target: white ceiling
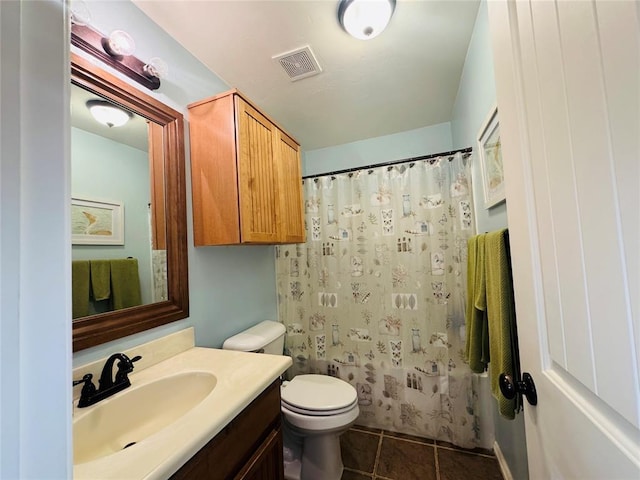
[404,79]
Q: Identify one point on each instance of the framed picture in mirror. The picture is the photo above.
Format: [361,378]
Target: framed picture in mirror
[96,222]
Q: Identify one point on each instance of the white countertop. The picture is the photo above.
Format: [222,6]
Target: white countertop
[241,377]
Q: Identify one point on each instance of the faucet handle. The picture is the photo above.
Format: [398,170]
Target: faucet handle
[125,366]
[88,390]
[86,380]
[127,363]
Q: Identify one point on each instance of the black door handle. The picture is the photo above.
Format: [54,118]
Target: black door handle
[525,387]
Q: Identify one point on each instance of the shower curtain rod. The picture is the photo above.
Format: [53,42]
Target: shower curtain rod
[394,162]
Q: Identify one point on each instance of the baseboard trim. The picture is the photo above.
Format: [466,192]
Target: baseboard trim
[504,467]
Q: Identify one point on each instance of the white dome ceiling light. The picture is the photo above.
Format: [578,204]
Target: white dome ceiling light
[107,113]
[365,19]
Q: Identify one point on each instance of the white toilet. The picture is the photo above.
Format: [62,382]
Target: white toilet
[316,410]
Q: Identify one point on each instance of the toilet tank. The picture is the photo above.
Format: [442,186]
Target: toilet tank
[265,337]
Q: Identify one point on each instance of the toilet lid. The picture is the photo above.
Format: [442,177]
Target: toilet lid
[318,393]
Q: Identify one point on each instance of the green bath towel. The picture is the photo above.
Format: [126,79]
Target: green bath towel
[80,288]
[477,344]
[100,279]
[125,283]
[501,318]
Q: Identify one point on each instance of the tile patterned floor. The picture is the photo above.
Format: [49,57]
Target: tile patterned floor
[370,454]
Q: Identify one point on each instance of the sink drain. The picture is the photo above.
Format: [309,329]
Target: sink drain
[129,445]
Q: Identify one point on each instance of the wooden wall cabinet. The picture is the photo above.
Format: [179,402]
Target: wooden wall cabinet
[249,448]
[245,175]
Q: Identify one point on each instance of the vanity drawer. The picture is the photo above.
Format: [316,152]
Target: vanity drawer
[248,447]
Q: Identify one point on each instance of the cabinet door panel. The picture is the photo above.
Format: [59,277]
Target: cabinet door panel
[291,198]
[213,173]
[267,462]
[258,197]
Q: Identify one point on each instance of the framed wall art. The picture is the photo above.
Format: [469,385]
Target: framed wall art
[490,149]
[96,222]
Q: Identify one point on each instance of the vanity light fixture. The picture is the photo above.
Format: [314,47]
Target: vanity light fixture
[107,113]
[115,50]
[365,19]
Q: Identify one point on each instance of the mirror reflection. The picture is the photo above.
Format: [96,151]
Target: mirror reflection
[166,185]
[117,211]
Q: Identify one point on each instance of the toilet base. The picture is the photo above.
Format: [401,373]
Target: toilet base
[311,456]
[292,454]
[293,470]
[321,458]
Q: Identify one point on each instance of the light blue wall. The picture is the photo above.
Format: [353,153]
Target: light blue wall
[230,288]
[412,143]
[476,97]
[102,169]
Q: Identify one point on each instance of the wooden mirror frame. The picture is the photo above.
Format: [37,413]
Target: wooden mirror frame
[97,329]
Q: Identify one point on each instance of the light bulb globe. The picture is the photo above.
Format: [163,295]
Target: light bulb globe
[121,43]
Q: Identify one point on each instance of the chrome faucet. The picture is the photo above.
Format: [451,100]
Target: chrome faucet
[108,386]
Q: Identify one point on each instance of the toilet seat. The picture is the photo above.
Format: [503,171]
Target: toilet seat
[318,413]
[319,424]
[318,395]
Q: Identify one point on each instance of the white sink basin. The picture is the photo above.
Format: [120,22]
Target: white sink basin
[172,410]
[137,413]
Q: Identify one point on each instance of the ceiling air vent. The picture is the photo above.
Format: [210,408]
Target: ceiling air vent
[299,64]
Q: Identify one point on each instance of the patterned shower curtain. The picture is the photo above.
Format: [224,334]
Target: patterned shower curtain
[376,296]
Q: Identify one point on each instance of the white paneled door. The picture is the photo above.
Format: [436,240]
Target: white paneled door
[568,88]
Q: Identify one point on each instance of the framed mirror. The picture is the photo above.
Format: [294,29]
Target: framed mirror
[164,294]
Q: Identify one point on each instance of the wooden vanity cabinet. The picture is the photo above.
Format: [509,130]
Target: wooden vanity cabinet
[248,448]
[245,175]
